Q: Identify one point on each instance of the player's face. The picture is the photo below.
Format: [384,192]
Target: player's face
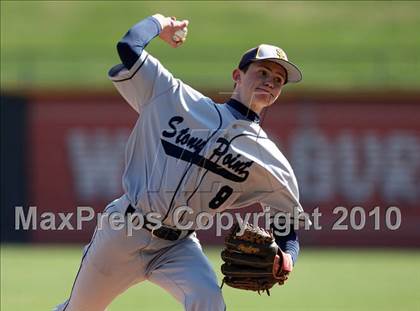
[261,85]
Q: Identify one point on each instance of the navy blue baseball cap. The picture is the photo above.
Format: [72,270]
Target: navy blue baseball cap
[274,54]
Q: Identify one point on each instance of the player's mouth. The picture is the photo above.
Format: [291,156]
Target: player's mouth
[263,91]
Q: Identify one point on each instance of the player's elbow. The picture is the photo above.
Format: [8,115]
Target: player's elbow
[127,55]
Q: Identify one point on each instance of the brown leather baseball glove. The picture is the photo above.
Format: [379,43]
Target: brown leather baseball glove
[254,261]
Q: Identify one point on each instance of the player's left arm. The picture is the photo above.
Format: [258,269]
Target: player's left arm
[283,200]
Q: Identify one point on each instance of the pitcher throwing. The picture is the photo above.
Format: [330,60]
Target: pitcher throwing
[187,153]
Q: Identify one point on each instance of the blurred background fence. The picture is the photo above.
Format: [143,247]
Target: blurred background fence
[347,149]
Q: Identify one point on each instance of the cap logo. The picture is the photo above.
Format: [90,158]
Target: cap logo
[281,54]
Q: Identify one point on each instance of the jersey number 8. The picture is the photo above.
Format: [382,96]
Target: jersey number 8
[221,196]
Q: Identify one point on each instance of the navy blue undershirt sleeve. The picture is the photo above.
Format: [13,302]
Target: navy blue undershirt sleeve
[288,243]
[136,39]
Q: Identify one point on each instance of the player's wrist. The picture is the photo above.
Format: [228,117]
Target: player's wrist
[162,20]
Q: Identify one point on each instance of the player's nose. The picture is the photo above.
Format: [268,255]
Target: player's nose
[268,82]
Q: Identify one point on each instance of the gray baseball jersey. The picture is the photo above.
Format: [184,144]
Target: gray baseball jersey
[186,150]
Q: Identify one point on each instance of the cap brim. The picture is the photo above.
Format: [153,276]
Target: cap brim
[294,75]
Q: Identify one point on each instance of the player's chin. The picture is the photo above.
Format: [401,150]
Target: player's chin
[265,99]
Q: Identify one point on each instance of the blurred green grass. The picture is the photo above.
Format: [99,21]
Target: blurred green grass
[42,276]
[339,45]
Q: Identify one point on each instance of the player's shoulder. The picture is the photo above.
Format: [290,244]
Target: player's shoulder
[192,94]
[243,132]
[251,141]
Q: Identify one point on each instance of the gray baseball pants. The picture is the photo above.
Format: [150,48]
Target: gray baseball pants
[113,261]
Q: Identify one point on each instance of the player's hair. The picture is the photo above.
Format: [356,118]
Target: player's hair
[244,70]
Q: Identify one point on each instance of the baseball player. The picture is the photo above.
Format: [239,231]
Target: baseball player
[186,155]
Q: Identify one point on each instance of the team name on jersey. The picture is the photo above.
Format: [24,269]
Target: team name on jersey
[229,165]
[184,136]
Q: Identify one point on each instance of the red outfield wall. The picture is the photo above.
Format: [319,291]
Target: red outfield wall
[349,150]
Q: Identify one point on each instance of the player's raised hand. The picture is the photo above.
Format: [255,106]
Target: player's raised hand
[173,32]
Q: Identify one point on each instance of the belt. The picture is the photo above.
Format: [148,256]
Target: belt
[162,232]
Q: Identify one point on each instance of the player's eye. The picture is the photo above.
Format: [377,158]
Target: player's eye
[278,80]
[263,73]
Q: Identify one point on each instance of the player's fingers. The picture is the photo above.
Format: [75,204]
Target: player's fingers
[177,43]
[181,24]
[180,42]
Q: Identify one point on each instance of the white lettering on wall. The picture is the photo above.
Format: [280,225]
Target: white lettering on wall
[402,171]
[311,158]
[359,164]
[97,161]
[357,167]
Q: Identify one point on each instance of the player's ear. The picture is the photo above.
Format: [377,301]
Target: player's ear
[236,75]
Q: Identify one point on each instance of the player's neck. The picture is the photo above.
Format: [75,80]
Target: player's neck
[249,105]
